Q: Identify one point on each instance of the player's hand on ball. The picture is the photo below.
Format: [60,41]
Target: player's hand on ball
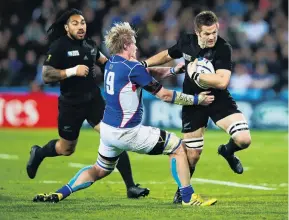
[204,98]
[82,70]
[192,67]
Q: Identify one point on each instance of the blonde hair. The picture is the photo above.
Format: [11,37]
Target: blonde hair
[119,35]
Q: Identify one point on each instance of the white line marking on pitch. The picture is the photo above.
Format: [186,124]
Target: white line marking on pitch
[197,180]
[8,157]
[80,165]
[50,181]
[218,182]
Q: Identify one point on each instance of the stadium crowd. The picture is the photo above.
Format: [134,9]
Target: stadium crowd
[256,29]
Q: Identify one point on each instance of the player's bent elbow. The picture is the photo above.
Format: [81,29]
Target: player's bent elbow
[45,80]
[223,85]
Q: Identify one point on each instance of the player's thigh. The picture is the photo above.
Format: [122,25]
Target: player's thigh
[140,139]
[194,143]
[107,156]
[95,110]
[70,119]
[222,107]
[237,127]
[194,121]
[194,118]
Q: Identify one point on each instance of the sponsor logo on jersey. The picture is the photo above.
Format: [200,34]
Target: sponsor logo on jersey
[73,53]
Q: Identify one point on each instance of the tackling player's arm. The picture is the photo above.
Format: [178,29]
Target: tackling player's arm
[223,65]
[140,76]
[178,98]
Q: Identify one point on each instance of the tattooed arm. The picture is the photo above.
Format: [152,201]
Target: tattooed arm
[50,74]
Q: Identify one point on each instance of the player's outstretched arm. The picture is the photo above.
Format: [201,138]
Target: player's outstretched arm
[158,59]
[179,98]
[51,74]
[165,72]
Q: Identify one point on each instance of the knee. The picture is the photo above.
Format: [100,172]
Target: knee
[99,172]
[243,141]
[194,147]
[194,154]
[67,149]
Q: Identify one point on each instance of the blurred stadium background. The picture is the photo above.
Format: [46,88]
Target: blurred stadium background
[258,32]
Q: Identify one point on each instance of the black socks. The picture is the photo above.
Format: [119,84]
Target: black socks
[124,168]
[48,150]
[232,147]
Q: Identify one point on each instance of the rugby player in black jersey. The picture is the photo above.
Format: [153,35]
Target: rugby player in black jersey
[206,43]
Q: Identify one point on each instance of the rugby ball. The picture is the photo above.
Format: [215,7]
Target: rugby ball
[206,67]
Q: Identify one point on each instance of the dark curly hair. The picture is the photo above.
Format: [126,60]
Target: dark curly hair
[57,30]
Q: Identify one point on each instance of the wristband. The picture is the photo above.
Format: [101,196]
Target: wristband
[172,71]
[71,72]
[196,99]
[144,63]
[195,76]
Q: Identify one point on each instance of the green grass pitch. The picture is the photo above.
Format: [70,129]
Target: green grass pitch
[265,162]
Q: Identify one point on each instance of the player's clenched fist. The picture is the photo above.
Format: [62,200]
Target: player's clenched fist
[79,70]
[82,70]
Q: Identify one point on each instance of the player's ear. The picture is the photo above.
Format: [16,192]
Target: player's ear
[66,27]
[218,25]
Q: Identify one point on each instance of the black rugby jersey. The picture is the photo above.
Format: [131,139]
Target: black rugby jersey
[188,48]
[65,53]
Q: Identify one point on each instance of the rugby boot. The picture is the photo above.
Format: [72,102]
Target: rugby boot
[54,197]
[41,197]
[34,162]
[135,192]
[232,160]
[177,197]
[197,200]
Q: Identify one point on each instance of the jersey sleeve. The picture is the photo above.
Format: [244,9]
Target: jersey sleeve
[97,53]
[176,50]
[95,50]
[54,56]
[224,57]
[141,76]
